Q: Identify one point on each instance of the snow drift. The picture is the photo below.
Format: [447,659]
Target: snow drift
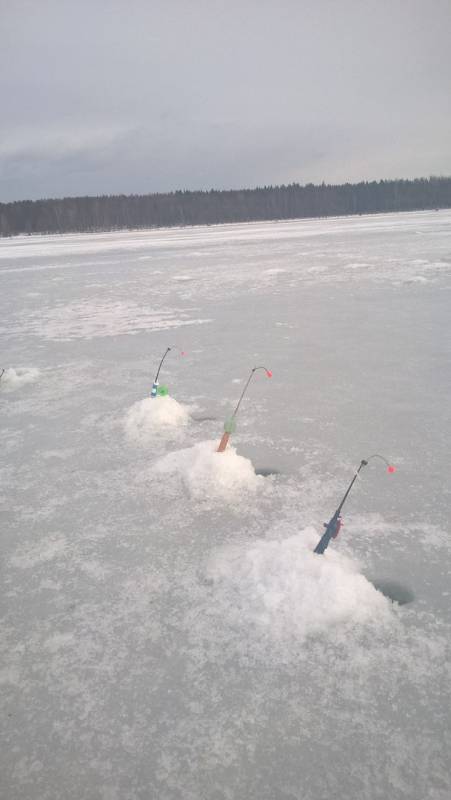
[209,475]
[282,588]
[153,417]
[15,378]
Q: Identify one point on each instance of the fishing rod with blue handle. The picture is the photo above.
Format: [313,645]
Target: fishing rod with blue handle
[334,525]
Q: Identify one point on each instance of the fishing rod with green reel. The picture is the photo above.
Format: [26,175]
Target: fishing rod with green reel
[230,423]
[157,390]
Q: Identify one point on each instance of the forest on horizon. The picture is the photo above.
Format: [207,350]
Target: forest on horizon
[210,207]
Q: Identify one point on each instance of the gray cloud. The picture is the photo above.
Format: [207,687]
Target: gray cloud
[140,96]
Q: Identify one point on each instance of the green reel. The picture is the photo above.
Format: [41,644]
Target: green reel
[230,425]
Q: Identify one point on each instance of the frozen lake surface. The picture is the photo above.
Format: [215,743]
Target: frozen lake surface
[167,633]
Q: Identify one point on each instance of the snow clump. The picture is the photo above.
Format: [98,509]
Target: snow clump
[281,588]
[153,417]
[209,475]
[12,379]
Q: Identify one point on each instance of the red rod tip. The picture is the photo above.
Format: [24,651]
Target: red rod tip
[268,373]
[391,469]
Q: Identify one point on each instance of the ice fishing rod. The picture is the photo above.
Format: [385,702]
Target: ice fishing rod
[334,525]
[1,374]
[230,423]
[156,388]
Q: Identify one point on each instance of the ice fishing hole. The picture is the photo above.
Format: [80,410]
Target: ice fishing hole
[395,592]
[265,472]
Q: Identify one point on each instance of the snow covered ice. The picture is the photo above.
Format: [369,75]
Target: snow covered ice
[166,630]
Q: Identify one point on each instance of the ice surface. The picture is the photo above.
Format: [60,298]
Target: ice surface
[166,631]
[99,318]
[155,416]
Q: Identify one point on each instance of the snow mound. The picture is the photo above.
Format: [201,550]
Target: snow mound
[283,588]
[15,378]
[208,474]
[153,417]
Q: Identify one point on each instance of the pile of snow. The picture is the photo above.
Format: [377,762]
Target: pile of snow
[283,589]
[209,475]
[15,378]
[155,416]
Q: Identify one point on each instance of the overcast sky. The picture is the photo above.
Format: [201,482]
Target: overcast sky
[137,96]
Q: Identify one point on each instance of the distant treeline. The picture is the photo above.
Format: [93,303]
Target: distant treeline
[211,207]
